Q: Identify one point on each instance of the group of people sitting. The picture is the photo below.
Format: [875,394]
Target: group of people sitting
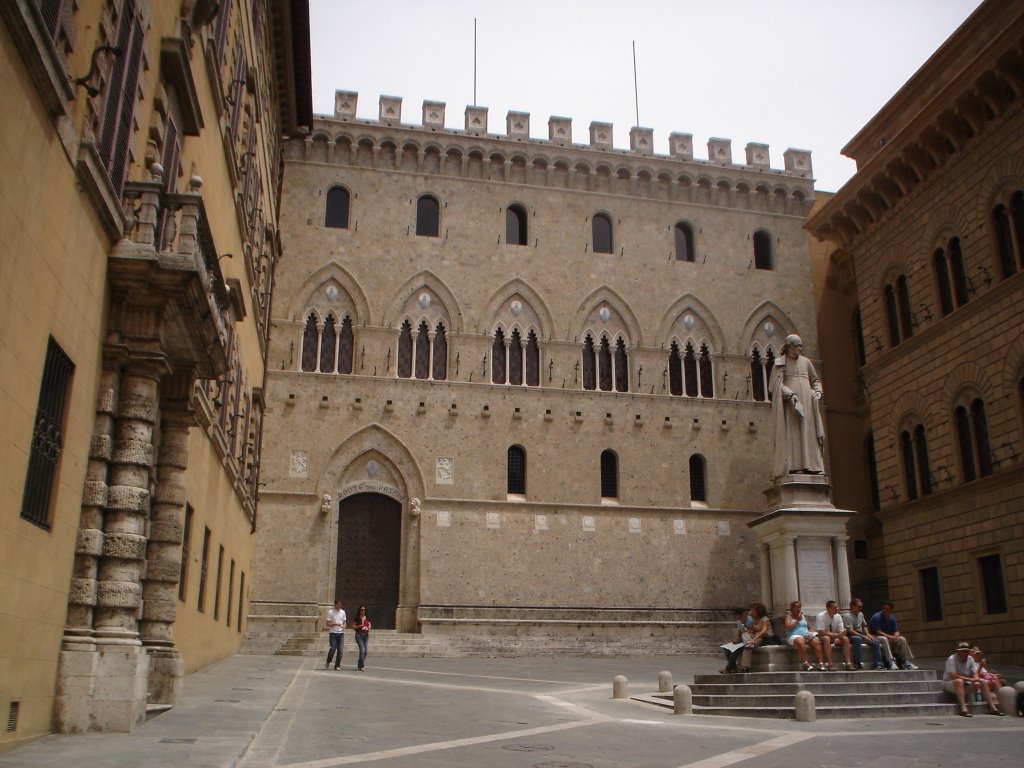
[849,632]
[966,674]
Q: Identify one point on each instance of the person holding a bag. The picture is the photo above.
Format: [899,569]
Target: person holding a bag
[361,625]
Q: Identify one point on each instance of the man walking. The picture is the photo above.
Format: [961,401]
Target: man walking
[336,633]
[895,647]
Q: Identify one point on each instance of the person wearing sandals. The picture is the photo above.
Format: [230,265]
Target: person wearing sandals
[831,630]
[799,636]
[961,675]
[741,636]
[361,625]
[760,626]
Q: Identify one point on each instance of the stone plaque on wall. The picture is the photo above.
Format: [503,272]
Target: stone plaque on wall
[679,527]
[589,523]
[444,518]
[634,525]
[445,473]
[493,520]
[297,465]
[814,571]
[540,522]
[723,527]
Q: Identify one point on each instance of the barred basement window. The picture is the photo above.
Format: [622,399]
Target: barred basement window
[47,437]
[698,478]
[186,545]
[12,716]
[204,567]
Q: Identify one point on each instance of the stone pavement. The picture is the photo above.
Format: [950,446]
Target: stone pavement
[548,712]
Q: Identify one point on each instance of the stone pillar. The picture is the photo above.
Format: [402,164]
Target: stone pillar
[767,588]
[842,570]
[120,687]
[163,551]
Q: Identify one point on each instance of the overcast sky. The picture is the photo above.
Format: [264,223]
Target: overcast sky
[788,73]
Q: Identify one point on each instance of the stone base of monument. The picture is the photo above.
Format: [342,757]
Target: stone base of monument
[801,540]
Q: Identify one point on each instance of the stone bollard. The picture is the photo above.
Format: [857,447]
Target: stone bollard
[664,682]
[682,700]
[804,705]
[1007,697]
[620,687]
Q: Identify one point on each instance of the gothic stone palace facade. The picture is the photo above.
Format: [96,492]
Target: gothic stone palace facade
[519,384]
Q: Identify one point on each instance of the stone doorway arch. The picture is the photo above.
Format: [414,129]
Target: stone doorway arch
[369,556]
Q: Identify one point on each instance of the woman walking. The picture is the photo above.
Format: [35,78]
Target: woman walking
[361,625]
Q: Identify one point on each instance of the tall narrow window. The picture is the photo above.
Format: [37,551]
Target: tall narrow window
[903,302]
[336,211]
[992,584]
[515,358]
[675,370]
[231,593]
[621,366]
[345,346]
[871,464]
[924,472]
[310,344]
[52,12]
[204,567]
[602,233]
[532,360]
[428,216]
[120,97]
[931,594]
[909,471]
[959,269]
[1004,240]
[422,351]
[707,376]
[515,225]
[47,436]
[690,371]
[763,250]
[186,546]
[517,470]
[498,372]
[979,423]
[684,242]
[604,365]
[609,475]
[440,361]
[216,585]
[698,481]
[892,322]
[963,438]
[757,380]
[973,440]
[404,367]
[589,364]
[942,281]
[858,337]
[328,339]
[241,601]
[1017,215]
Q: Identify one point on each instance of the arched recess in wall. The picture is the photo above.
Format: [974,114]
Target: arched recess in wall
[682,305]
[302,299]
[587,311]
[424,279]
[754,327]
[499,308]
[972,375]
[909,406]
[349,470]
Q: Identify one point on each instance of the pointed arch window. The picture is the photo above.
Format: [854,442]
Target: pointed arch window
[516,466]
[310,344]
[601,230]
[439,365]
[328,340]
[589,363]
[690,371]
[346,344]
[684,242]
[498,374]
[621,366]
[698,478]
[604,365]
[515,358]
[763,258]
[422,355]
[707,376]
[336,208]
[609,475]
[404,367]
[532,360]
[916,468]
[516,225]
[428,216]
[760,373]
[675,370]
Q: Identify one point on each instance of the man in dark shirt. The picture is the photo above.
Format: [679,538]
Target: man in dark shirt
[895,647]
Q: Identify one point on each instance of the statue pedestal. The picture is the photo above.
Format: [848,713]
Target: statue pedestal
[801,541]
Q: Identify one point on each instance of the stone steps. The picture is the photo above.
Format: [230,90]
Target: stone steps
[837,695]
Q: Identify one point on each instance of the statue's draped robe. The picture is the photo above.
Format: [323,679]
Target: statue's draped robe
[797,446]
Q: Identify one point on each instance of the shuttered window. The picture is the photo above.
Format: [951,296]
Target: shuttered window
[121,93]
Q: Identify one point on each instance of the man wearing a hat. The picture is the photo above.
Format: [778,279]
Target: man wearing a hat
[962,677]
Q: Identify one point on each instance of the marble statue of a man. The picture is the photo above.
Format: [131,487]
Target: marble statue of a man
[799,431]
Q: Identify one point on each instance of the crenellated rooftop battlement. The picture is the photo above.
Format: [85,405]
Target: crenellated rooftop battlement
[797,162]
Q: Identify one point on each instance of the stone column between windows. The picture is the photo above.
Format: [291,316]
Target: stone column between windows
[767,596]
[163,550]
[842,569]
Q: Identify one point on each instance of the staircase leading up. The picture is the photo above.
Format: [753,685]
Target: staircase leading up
[837,695]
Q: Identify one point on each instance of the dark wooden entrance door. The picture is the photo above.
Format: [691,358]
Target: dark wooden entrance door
[369,549]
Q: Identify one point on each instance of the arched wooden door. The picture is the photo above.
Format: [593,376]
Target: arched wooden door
[369,556]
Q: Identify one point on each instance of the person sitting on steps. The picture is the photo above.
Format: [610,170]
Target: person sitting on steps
[832,632]
[799,636]
[895,647]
